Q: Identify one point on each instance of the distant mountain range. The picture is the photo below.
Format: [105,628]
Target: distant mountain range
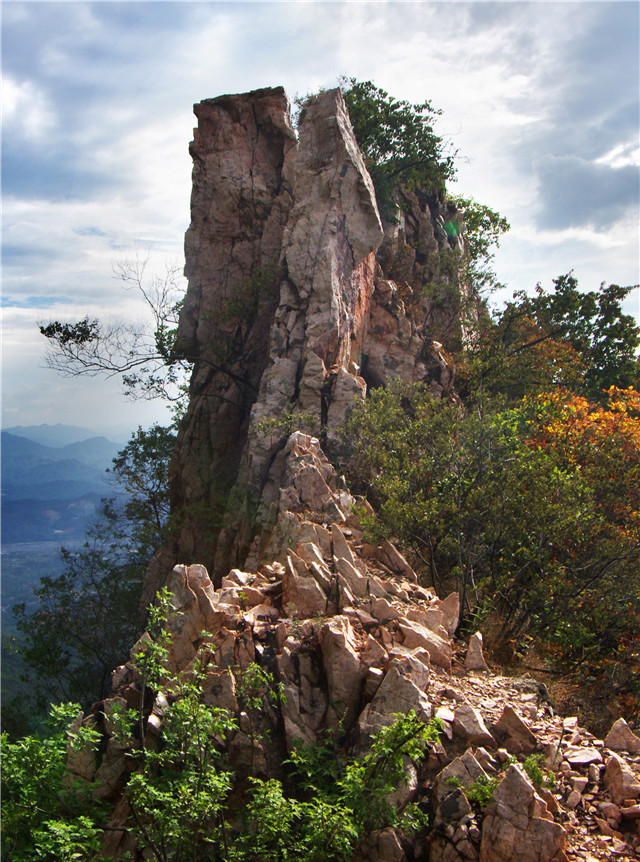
[62,435]
[51,489]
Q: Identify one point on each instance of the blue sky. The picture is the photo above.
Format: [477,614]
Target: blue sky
[540,99]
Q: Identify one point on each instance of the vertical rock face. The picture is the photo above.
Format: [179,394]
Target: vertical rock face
[288,312]
[239,208]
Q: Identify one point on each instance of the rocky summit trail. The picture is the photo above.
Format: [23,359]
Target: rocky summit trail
[300,302]
[354,639]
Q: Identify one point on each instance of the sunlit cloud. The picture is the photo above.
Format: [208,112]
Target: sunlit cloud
[540,102]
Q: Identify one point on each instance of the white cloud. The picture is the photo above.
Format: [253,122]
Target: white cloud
[540,99]
[26,112]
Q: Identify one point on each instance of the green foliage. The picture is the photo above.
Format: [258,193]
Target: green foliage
[581,340]
[88,617]
[539,776]
[531,508]
[46,816]
[278,828]
[80,333]
[397,140]
[483,228]
[479,792]
[594,324]
[342,800]
[141,469]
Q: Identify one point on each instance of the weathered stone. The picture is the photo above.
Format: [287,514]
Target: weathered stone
[416,635]
[343,670]
[341,548]
[396,694]
[360,585]
[373,654]
[301,596]
[383,610]
[381,846]
[241,173]
[450,607]
[197,610]
[260,614]
[311,553]
[474,659]
[582,756]
[219,690]
[469,725]
[513,828]
[391,557]
[279,261]
[620,781]
[303,702]
[573,799]
[412,663]
[430,618]
[453,807]
[463,771]
[372,681]
[622,738]
[511,732]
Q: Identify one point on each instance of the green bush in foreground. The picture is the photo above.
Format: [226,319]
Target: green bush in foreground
[182,793]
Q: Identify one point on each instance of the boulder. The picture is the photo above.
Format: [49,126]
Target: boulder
[416,635]
[196,609]
[391,557]
[302,596]
[620,780]
[450,607]
[396,694]
[412,663]
[383,610]
[303,702]
[517,826]
[474,659]
[511,732]
[343,671]
[430,618]
[460,772]
[383,845]
[469,725]
[622,738]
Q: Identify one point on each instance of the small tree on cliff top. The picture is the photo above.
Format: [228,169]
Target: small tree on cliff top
[397,140]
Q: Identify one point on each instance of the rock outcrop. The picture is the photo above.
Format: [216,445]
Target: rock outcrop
[297,302]
[346,638]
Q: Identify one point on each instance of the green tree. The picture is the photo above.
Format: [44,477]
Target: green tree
[482,228]
[141,353]
[45,815]
[398,142]
[579,340]
[88,617]
[532,508]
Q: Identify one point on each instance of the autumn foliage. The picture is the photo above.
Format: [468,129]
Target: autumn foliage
[526,496]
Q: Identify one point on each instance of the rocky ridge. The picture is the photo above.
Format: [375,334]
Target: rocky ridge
[353,639]
[298,301]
